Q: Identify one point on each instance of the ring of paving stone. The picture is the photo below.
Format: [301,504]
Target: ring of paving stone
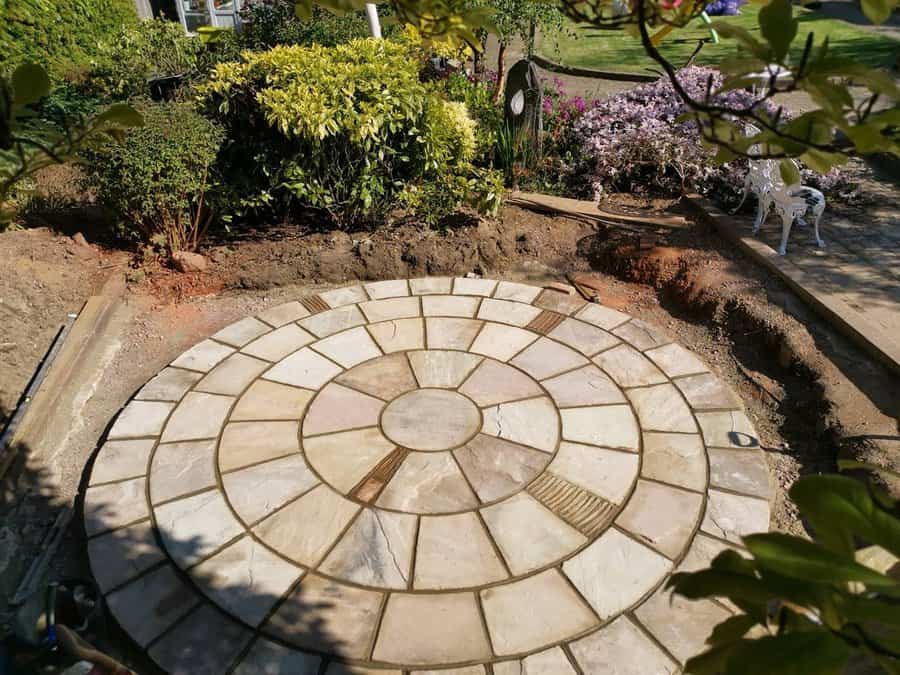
[421,474]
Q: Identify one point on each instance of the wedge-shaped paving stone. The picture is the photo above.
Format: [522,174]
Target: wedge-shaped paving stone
[337,668]
[270,658]
[675,361]
[394,288]
[377,550]
[509,290]
[348,348]
[107,507]
[583,387]
[260,489]
[148,606]
[428,482]
[206,643]
[118,460]
[140,418]
[730,429]
[546,358]
[507,311]
[642,335]
[437,368]
[455,552]
[245,443]
[344,296]
[279,315]
[203,356]
[451,333]
[390,309]
[399,335]
[529,535]
[266,400]
[501,342]
[496,468]
[586,512]
[420,629]
[323,615]
[664,517]
[675,458]
[169,385]
[450,305]
[681,626]
[739,471]
[517,613]
[702,552]
[182,468]
[333,321]
[304,368]
[587,339]
[385,378]
[194,527]
[279,343]
[430,419]
[706,392]
[607,473]
[463,286]
[660,408]
[551,662]
[305,529]
[246,579]
[732,517]
[337,408]
[615,572]
[621,648]
[123,554]
[233,375]
[601,316]
[431,285]
[466,670]
[611,426]
[198,416]
[532,422]
[628,367]
[555,301]
[493,382]
[241,332]
[344,459]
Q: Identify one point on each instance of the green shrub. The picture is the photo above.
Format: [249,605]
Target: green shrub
[478,97]
[58,33]
[348,129]
[150,48]
[160,180]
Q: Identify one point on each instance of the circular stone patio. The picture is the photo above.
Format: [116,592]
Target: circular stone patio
[453,475]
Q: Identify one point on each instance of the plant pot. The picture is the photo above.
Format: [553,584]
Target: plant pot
[163,87]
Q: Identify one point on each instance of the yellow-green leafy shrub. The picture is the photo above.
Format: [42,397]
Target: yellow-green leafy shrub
[348,129]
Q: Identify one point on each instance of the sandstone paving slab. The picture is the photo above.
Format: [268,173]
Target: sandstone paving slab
[463,286]
[123,554]
[279,343]
[118,460]
[333,321]
[344,296]
[509,290]
[628,367]
[550,662]
[349,347]
[732,517]
[455,551]
[664,517]
[463,306]
[151,604]
[393,288]
[610,426]
[377,550]
[702,552]
[305,529]
[431,629]
[532,422]
[587,339]
[428,482]
[203,356]
[286,313]
[337,668]
[493,382]
[169,385]
[304,368]
[245,443]
[546,358]
[501,342]
[107,507]
[676,361]
[528,534]
[182,468]
[442,369]
[198,416]
[739,471]
[232,375]
[337,408]
[399,335]
[430,419]
[659,408]
[344,459]
[564,303]
[621,648]
[506,311]
[384,378]
[241,332]
[467,670]
[390,309]
[495,468]
[601,316]
[679,459]
[265,400]
[706,392]
[606,473]
[270,658]
[431,285]
[642,335]
[257,491]
[451,333]
[517,612]
[727,429]
[140,418]
[194,527]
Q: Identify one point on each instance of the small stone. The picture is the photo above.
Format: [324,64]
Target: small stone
[184,261]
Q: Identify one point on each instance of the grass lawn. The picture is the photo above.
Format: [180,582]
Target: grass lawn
[588,47]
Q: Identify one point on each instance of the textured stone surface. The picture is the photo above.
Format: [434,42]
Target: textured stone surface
[583,387]
[430,419]
[462,286]
[193,527]
[629,367]
[621,648]
[428,482]
[304,368]
[450,333]
[279,315]
[260,489]
[140,418]
[384,378]
[641,335]
[532,422]
[602,317]
[495,467]
[675,361]
[501,342]
[107,507]
[587,339]
[739,471]
[399,335]
[118,460]
[611,426]
[122,555]
[337,408]
[731,516]
[506,311]
[170,385]
[182,468]
[279,343]
[431,285]
[393,288]
[343,459]
[198,416]
[546,358]
[390,309]
[661,516]
[493,382]
[659,408]
[455,552]
[344,296]
[706,392]
[607,473]
[266,400]
[245,443]
[508,290]
[675,458]
[444,369]
[559,302]
[232,375]
[348,348]
[450,305]
[333,321]
[729,429]
[241,332]
[270,658]
[203,356]
[206,642]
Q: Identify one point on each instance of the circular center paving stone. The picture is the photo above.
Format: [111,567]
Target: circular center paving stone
[430,419]
[433,474]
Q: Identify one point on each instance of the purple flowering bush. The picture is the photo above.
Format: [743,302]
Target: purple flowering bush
[725,7]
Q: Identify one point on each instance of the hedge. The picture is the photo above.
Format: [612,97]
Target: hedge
[58,33]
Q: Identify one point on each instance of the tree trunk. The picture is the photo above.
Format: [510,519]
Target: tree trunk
[501,72]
